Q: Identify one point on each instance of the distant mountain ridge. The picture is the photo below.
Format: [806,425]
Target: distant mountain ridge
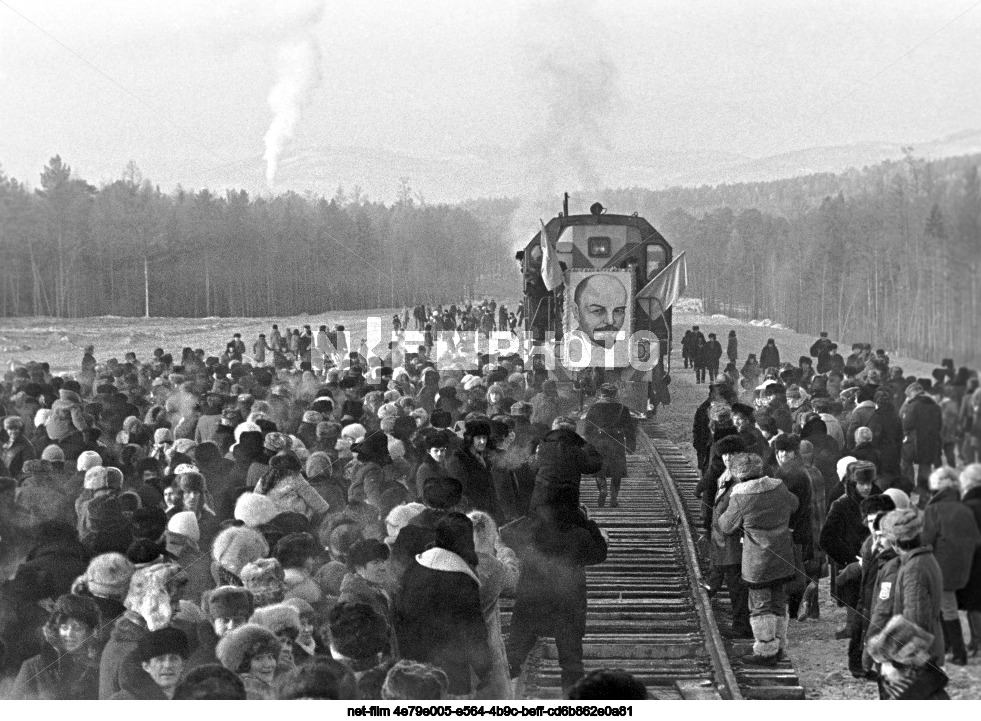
[491,171]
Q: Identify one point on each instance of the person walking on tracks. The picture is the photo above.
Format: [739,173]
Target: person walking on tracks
[761,508]
[611,430]
[563,457]
[554,547]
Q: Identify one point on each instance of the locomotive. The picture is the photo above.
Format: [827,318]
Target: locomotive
[603,323]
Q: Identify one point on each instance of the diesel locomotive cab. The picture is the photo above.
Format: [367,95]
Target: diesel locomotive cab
[602,324]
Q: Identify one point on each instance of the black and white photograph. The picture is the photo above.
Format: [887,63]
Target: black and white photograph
[292,406]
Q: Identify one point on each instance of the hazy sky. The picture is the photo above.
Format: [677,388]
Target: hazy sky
[182,86]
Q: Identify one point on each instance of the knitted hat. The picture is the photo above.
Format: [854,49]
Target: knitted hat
[901,525]
[227,602]
[898,497]
[87,460]
[185,523]
[96,478]
[108,576]
[277,618]
[746,465]
[254,509]
[81,608]
[163,435]
[242,644]
[161,643]
[54,454]
[264,578]
[843,464]
[236,547]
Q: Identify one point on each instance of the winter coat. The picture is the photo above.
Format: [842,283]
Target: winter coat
[949,527]
[922,424]
[778,409]
[916,596]
[969,597]
[714,468]
[429,468]
[15,455]
[799,483]
[294,495]
[497,576]
[701,433]
[762,508]
[438,618]
[563,457]
[769,357]
[883,584]
[118,657]
[545,409]
[611,430]
[42,495]
[477,479]
[844,529]
[725,549]
[732,349]
[552,578]
[54,675]
[52,565]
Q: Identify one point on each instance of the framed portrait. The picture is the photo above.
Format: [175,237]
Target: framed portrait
[599,308]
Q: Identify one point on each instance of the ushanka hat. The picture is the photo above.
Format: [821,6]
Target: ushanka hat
[901,525]
[227,602]
[108,576]
[163,642]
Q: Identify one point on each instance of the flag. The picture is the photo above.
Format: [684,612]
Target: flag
[551,272]
[668,285]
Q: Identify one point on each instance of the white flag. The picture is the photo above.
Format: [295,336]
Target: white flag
[551,272]
[668,285]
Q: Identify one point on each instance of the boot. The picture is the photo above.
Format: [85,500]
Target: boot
[601,487]
[809,600]
[766,644]
[954,641]
[974,621]
[782,633]
[614,492]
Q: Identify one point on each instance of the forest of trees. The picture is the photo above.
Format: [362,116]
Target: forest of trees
[889,255]
[72,250]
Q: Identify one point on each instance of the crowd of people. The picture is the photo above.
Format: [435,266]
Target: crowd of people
[240,527]
[852,471]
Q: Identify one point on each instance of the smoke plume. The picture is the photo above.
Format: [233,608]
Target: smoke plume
[299,76]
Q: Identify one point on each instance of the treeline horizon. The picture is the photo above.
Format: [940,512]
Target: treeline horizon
[72,250]
[889,255]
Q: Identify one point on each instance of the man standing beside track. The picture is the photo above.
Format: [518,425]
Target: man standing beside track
[762,507]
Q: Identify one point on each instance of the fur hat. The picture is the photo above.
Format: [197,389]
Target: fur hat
[149,523]
[240,645]
[746,465]
[227,602]
[54,454]
[264,578]
[162,642]
[163,435]
[372,446]
[185,523]
[302,607]
[81,608]
[730,444]
[87,460]
[276,442]
[842,466]
[442,492]
[862,472]
[96,478]
[902,642]
[108,576]
[185,467]
[236,547]
[608,390]
[184,445]
[901,525]
[312,417]
[254,509]
[470,382]
[365,551]
[357,631]
[277,618]
[151,590]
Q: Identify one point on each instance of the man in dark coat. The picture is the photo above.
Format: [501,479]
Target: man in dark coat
[922,421]
[791,472]
[563,457]
[701,433]
[712,354]
[554,548]
[722,427]
[610,429]
[770,355]
[732,347]
[821,350]
[471,466]
[437,613]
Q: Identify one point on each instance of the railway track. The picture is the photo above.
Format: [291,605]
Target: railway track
[648,614]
